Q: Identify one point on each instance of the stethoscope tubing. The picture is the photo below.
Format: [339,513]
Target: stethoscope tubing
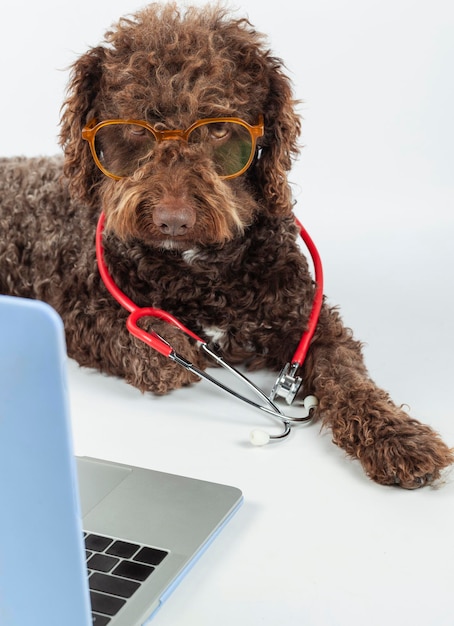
[303,346]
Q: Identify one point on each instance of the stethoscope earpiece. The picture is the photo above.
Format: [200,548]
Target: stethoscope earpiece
[309,403]
[259,437]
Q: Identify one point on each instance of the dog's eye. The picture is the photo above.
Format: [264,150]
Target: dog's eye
[229,144]
[219,131]
[121,148]
[137,131]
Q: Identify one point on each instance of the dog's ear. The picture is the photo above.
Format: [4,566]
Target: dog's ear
[280,144]
[83,88]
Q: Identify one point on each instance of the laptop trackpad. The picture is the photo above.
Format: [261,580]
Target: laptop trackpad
[96,480]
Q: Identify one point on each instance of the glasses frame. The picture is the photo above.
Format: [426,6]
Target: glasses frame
[89,133]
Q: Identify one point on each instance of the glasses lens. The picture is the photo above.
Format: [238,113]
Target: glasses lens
[229,145]
[122,148]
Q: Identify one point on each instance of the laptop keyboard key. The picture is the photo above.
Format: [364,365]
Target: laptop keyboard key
[123,549]
[100,620]
[102,563]
[150,556]
[108,605]
[136,571]
[113,585]
[97,543]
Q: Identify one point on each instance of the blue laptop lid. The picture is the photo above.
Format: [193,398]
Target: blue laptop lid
[42,567]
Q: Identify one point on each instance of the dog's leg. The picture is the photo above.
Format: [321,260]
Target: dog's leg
[392,447]
[102,341]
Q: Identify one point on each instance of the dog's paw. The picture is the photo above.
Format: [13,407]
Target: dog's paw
[407,454]
[150,371]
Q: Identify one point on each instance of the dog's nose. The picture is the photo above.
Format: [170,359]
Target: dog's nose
[174,221]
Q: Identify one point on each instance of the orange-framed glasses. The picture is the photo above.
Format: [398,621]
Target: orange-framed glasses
[120,147]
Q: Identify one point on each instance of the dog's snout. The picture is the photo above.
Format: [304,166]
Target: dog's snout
[174,219]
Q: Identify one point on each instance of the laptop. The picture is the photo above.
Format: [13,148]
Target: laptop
[83,541]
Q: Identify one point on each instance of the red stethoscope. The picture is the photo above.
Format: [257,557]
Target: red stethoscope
[287,383]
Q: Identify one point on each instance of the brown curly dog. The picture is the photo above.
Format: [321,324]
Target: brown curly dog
[197,222]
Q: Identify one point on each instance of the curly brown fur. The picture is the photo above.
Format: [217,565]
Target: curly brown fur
[231,262]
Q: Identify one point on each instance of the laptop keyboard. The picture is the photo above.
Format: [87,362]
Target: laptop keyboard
[116,569]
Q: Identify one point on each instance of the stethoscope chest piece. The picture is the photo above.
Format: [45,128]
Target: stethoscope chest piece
[287,383]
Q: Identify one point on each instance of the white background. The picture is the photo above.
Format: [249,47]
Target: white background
[315,543]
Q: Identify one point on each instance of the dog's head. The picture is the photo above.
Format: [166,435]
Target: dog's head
[174,71]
